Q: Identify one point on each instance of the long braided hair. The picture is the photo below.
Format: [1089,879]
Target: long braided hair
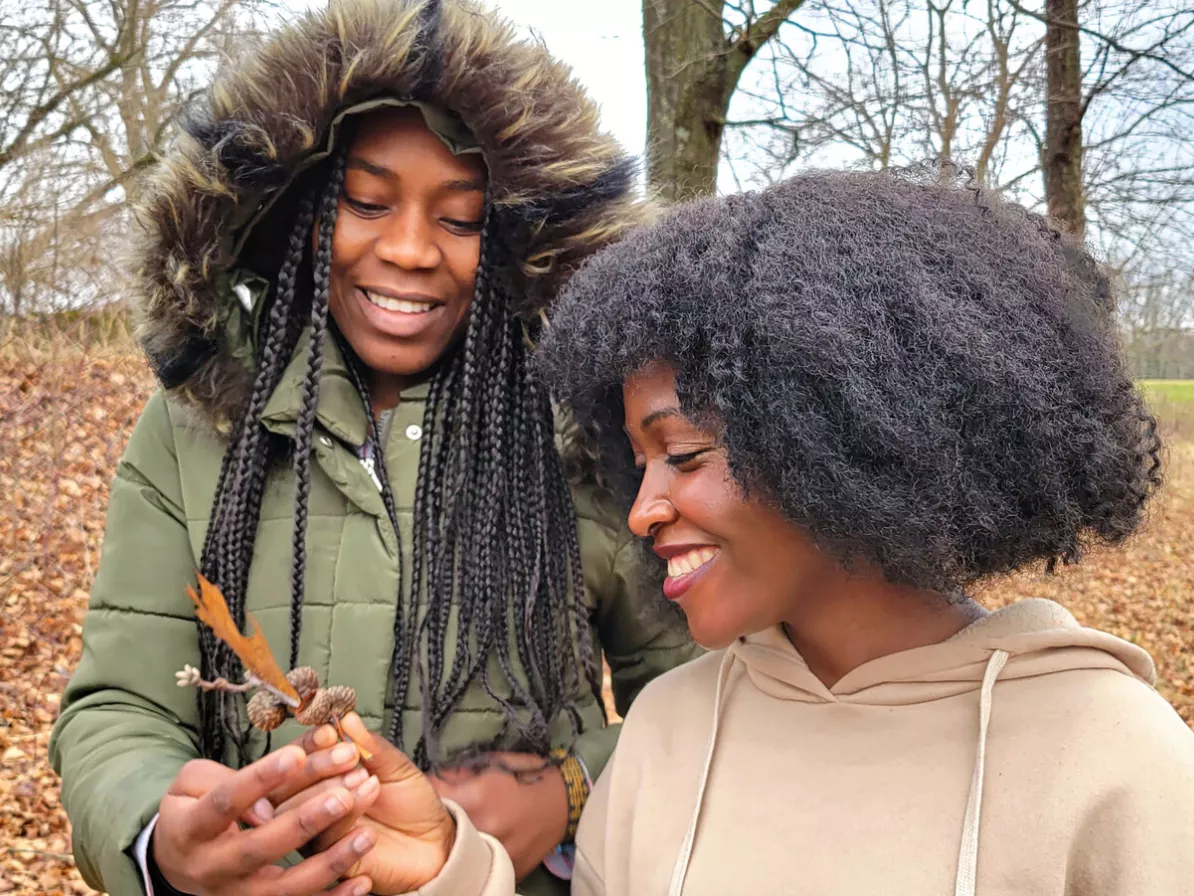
[494,524]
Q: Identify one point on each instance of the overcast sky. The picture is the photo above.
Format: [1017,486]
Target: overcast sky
[603,43]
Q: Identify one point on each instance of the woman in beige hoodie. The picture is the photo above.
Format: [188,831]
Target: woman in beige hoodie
[846,400]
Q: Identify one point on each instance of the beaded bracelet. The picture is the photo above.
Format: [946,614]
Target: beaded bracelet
[576,786]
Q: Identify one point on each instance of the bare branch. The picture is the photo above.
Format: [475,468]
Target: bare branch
[1133,54]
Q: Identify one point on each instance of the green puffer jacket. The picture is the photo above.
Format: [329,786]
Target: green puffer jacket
[126,729]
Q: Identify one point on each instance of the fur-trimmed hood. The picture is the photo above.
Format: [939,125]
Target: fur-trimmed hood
[560,188]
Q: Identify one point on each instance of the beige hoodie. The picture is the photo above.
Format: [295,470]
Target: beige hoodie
[1026,755]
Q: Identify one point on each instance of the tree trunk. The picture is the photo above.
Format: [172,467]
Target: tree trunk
[1063,117]
[686,98]
[693,68]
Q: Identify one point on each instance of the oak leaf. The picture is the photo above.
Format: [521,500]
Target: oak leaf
[252,649]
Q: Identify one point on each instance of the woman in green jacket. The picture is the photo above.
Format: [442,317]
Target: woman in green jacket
[345,262]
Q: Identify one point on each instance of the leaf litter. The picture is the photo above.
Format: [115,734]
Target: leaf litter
[63,425]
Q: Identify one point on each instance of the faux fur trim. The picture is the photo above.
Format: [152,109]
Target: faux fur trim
[561,188]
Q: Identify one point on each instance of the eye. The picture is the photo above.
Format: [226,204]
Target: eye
[679,461]
[364,208]
[464,226]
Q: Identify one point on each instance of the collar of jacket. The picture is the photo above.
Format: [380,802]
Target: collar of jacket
[341,412]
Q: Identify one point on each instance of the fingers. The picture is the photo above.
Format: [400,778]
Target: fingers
[198,777]
[318,738]
[320,765]
[357,886]
[223,799]
[250,850]
[389,763]
[315,874]
[365,796]
[352,781]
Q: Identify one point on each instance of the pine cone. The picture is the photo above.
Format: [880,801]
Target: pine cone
[265,712]
[327,702]
[305,681]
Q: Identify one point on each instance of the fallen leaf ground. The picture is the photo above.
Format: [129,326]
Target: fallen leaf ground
[63,425]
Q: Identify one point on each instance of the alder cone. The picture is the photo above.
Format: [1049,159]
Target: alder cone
[265,712]
[327,702]
[305,680]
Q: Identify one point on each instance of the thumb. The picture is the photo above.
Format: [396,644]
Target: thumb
[390,764]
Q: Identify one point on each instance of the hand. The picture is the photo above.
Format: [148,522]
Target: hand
[414,831]
[529,817]
[199,847]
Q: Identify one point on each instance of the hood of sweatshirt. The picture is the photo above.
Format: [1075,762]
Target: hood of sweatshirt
[1028,639]
[559,187]
[1038,636]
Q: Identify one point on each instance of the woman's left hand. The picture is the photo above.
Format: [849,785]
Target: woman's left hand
[529,817]
[415,832]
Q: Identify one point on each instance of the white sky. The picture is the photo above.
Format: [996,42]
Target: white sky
[601,40]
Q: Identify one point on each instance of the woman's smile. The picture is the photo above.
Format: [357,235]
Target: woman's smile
[686,566]
[400,315]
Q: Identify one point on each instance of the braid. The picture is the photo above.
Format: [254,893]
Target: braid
[495,537]
[309,403]
[495,533]
[231,533]
[401,657]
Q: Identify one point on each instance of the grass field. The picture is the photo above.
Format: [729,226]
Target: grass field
[1175,392]
[1172,401]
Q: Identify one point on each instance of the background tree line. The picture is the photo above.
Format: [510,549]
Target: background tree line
[1078,107]
[1081,108]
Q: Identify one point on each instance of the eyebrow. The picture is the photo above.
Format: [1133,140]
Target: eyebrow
[462,186]
[655,416]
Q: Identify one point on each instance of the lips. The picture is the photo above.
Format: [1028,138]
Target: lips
[399,315]
[686,565]
[403,305]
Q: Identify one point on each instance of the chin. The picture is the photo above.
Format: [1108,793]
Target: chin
[714,634]
[411,362]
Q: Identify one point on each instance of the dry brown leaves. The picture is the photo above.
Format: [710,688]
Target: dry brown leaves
[63,425]
[1143,591]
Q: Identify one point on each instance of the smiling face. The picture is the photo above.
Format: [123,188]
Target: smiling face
[735,565]
[406,246]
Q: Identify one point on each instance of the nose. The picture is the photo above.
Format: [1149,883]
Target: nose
[652,507]
[408,241]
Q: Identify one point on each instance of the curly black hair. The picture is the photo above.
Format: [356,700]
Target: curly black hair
[923,376]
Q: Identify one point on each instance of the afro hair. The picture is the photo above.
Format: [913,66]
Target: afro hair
[921,375]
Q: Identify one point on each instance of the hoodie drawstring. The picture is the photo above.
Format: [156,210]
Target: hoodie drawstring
[680,869]
[968,853]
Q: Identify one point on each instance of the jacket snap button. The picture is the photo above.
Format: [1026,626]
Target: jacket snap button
[414,432]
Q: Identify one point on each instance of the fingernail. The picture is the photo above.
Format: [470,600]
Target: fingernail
[325,737]
[355,778]
[263,809]
[335,804]
[368,788]
[343,753]
[362,842]
[287,762]
[362,889]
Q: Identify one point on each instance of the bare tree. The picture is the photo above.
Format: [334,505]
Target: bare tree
[891,82]
[1063,116]
[884,83]
[88,89]
[696,52]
